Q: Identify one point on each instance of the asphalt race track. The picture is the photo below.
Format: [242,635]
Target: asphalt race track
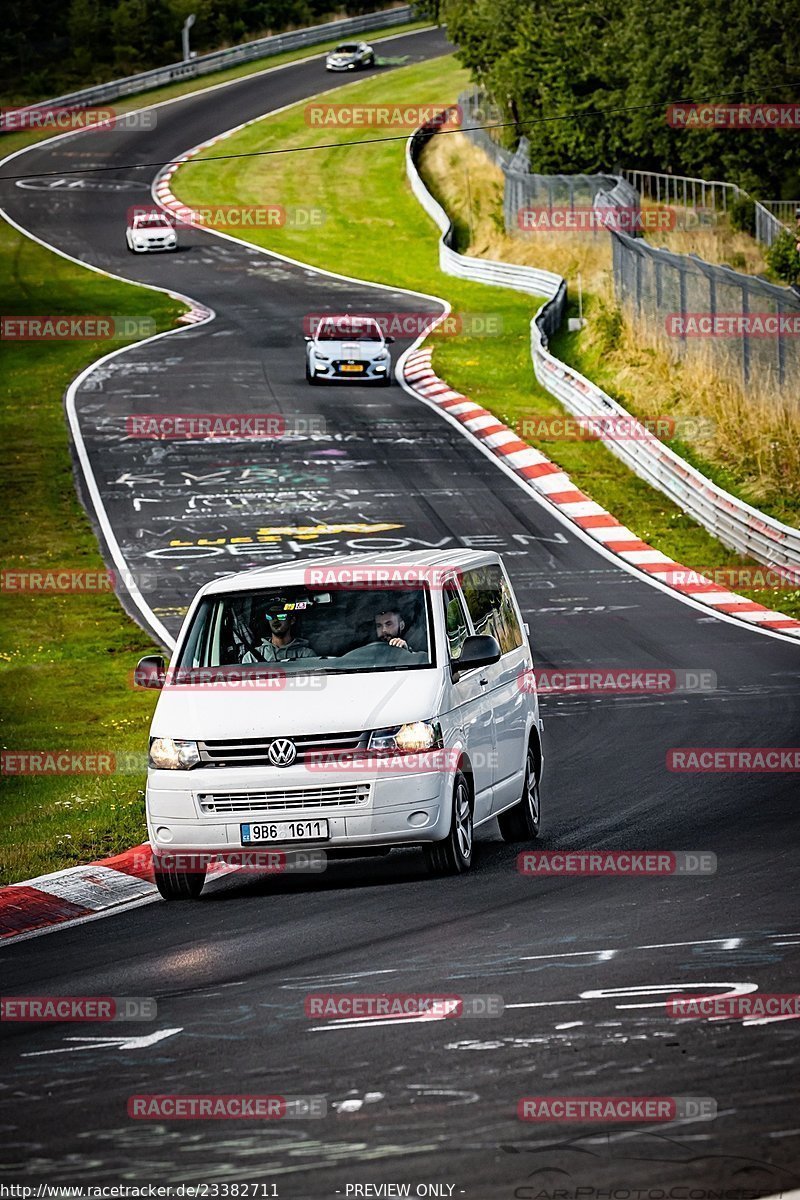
[583,965]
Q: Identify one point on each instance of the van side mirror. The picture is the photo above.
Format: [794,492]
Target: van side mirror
[150,672]
[307,337]
[479,650]
[388,337]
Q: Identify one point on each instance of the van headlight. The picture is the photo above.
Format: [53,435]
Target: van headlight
[172,754]
[409,738]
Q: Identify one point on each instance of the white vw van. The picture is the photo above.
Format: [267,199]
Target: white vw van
[347,704]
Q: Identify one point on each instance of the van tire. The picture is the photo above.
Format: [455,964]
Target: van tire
[453,855]
[521,823]
[177,885]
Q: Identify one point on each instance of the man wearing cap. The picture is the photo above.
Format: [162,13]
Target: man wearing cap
[281,645]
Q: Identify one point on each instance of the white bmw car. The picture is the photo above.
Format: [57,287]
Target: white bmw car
[150,231]
[344,349]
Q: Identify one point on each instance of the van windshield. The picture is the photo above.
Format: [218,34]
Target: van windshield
[352,629]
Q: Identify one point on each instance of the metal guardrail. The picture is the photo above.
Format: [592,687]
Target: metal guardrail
[205,64]
[482,270]
[685,191]
[736,524]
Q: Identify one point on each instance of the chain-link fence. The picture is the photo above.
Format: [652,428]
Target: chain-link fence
[752,326]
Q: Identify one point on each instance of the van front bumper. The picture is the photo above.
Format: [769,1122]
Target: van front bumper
[401,809]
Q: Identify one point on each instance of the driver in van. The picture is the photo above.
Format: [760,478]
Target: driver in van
[281,645]
[389,626]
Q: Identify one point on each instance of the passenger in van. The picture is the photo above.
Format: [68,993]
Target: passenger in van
[389,625]
[281,645]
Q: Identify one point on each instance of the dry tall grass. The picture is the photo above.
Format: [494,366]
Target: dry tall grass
[753,434]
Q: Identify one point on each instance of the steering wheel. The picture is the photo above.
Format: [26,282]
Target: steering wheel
[375,652]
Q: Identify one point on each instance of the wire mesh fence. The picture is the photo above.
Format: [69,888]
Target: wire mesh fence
[751,326]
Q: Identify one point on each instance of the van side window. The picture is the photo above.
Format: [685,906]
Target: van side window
[491,607]
[455,620]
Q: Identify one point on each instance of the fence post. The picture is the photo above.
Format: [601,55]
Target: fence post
[745,335]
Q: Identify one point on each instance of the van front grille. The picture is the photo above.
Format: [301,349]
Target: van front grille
[346,795]
[252,752]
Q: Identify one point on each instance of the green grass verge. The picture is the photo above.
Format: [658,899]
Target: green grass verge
[375,229]
[67,658]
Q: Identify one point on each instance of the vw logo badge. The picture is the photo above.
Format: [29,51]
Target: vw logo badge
[282,752]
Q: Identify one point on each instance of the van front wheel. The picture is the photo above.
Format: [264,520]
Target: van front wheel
[174,884]
[453,856]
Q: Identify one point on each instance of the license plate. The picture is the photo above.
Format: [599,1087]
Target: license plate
[356,367]
[283,831]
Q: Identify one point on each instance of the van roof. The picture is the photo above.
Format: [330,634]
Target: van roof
[294,573]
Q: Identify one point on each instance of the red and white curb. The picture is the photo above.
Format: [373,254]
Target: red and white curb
[76,893]
[548,480]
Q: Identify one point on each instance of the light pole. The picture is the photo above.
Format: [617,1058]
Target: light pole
[187,25]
